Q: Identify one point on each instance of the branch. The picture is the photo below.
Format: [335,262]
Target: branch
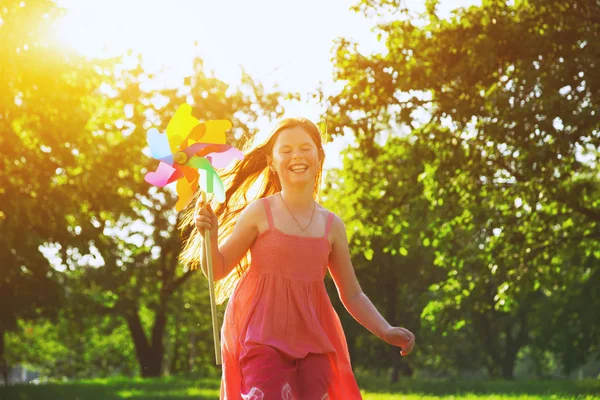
[588,212]
[535,251]
[180,281]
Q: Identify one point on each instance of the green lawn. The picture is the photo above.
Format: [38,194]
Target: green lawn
[373,389]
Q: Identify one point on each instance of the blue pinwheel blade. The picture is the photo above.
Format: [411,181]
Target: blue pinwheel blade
[159,145]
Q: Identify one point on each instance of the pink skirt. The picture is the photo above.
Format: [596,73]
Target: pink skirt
[269,374]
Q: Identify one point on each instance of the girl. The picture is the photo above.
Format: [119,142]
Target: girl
[281,338]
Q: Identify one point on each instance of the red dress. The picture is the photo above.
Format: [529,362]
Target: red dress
[281,337]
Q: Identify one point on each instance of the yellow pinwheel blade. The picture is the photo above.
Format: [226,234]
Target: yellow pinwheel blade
[185,191]
[180,126]
[210,132]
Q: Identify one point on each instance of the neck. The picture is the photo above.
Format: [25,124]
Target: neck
[298,198]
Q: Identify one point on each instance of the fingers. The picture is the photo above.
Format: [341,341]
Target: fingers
[406,349]
[203,222]
[204,218]
[207,208]
[200,203]
[408,333]
[401,337]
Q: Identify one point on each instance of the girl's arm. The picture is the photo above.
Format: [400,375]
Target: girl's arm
[353,298]
[228,255]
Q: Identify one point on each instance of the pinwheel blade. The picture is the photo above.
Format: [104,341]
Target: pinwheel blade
[210,132]
[219,155]
[223,159]
[185,191]
[159,145]
[209,181]
[180,126]
[191,174]
[163,175]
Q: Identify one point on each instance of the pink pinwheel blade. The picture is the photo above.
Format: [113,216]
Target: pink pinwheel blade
[221,155]
[163,175]
[223,159]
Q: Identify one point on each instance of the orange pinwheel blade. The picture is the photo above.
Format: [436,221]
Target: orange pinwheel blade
[191,174]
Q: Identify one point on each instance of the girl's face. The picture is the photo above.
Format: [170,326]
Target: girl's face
[295,157]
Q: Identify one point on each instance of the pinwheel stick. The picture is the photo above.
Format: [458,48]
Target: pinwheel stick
[211,289]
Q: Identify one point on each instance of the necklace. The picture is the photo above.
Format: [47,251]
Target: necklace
[311,216]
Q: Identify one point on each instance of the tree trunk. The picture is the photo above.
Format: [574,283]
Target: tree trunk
[483,326]
[3,362]
[514,345]
[510,356]
[502,358]
[192,353]
[158,349]
[492,370]
[149,357]
[174,361]
[508,367]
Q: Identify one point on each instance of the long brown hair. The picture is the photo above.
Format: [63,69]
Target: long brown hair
[240,181]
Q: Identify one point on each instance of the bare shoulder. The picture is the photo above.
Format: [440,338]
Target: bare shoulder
[338,226]
[254,211]
[326,212]
[250,217]
[338,229]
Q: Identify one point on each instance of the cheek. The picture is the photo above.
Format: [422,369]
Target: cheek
[315,158]
[280,161]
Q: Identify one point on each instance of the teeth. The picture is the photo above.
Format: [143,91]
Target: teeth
[299,168]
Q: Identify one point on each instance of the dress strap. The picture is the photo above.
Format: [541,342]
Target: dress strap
[329,223]
[268,210]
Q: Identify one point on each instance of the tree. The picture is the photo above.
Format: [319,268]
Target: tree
[74,133]
[41,107]
[505,98]
[130,225]
[380,199]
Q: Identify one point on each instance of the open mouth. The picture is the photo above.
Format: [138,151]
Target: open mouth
[298,168]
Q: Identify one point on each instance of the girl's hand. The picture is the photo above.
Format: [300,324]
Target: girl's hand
[400,337]
[205,218]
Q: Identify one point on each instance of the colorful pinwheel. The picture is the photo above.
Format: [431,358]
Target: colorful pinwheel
[188,154]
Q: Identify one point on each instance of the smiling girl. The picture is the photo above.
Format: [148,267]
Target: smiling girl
[281,337]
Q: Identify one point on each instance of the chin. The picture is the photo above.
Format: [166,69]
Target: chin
[301,180]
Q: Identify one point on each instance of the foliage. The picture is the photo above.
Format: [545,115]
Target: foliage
[471,196]
[74,134]
[380,199]
[503,98]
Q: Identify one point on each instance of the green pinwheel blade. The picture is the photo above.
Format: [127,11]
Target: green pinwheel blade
[209,181]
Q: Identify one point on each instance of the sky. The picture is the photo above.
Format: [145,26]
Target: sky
[283,42]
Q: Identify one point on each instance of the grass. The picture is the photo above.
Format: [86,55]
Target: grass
[372,388]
